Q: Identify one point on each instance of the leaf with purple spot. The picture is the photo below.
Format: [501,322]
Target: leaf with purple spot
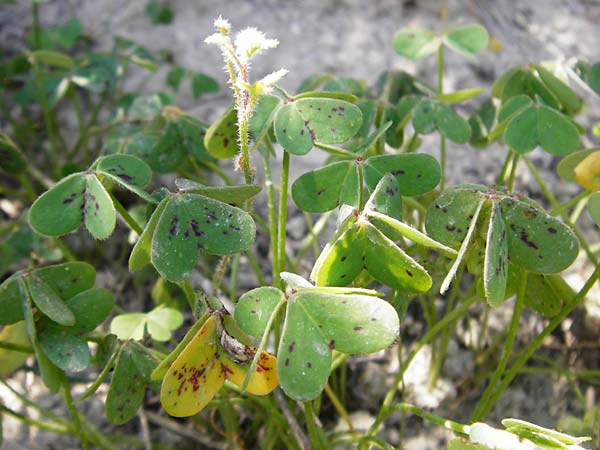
[221,139]
[298,124]
[129,172]
[190,223]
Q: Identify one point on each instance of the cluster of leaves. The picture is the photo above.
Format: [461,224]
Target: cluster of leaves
[390,218]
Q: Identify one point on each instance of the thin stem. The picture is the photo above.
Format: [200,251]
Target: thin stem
[37,28]
[281,228]
[485,402]
[43,425]
[570,203]
[433,418]
[513,172]
[387,402]
[67,253]
[440,91]
[74,412]
[537,342]
[46,111]
[505,167]
[245,154]
[272,214]
[15,347]
[27,187]
[311,426]
[337,404]
[260,277]
[540,182]
[125,215]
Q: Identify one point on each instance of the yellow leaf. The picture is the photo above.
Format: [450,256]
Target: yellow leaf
[587,172]
[195,376]
[263,380]
[9,359]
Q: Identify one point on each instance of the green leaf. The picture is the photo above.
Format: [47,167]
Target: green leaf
[168,151]
[129,326]
[386,198]
[300,123]
[541,297]
[221,139]
[162,321]
[537,242]
[53,58]
[495,268]
[570,101]
[10,302]
[59,210]
[561,437]
[449,216]
[203,84]
[190,222]
[415,43]
[65,350]
[49,302]
[90,308]
[225,194]
[264,114]
[566,166]
[316,323]
[544,126]
[304,355]
[416,174]
[140,255]
[127,170]
[68,279]
[390,265]
[482,121]
[346,96]
[175,76]
[328,187]
[468,40]
[342,260]
[126,390]
[98,209]
[451,124]
[593,78]
[255,307]
[523,82]
[11,159]
[424,117]
[594,207]
[459,96]
[12,360]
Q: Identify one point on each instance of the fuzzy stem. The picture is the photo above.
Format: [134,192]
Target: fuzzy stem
[281,229]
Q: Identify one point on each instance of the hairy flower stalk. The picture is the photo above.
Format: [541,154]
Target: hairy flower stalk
[237,55]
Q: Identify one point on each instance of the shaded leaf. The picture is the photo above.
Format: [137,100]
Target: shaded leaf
[221,139]
[48,301]
[65,350]
[495,268]
[126,390]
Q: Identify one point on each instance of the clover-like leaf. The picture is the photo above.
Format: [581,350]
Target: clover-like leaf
[542,125]
[201,369]
[264,114]
[126,390]
[537,241]
[128,171]
[468,39]
[221,139]
[11,360]
[65,280]
[316,323]
[159,323]
[254,308]
[98,210]
[569,100]
[328,187]
[522,81]
[67,351]
[416,174]
[190,222]
[225,194]
[140,255]
[300,123]
[48,301]
[415,43]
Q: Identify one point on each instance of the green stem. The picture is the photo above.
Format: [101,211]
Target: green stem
[440,91]
[27,186]
[245,156]
[235,266]
[37,28]
[74,412]
[41,424]
[260,277]
[537,342]
[101,376]
[570,203]
[485,403]
[513,172]
[15,347]
[67,253]
[311,427]
[505,167]
[125,215]
[47,113]
[540,182]
[387,402]
[433,418]
[272,213]
[281,228]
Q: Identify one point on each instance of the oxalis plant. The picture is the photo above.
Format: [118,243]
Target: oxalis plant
[264,367]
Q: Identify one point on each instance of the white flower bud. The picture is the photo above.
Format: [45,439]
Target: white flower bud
[250,42]
[496,439]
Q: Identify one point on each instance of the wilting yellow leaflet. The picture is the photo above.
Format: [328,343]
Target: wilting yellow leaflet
[201,369]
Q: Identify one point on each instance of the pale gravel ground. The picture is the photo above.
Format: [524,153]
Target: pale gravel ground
[352,38]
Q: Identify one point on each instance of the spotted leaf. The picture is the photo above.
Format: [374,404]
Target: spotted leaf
[127,389]
[221,139]
[128,171]
[300,123]
[65,350]
[225,194]
[328,187]
[140,255]
[415,43]
[416,174]
[537,242]
[49,302]
[495,268]
[255,307]
[98,209]
[543,126]
[191,222]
